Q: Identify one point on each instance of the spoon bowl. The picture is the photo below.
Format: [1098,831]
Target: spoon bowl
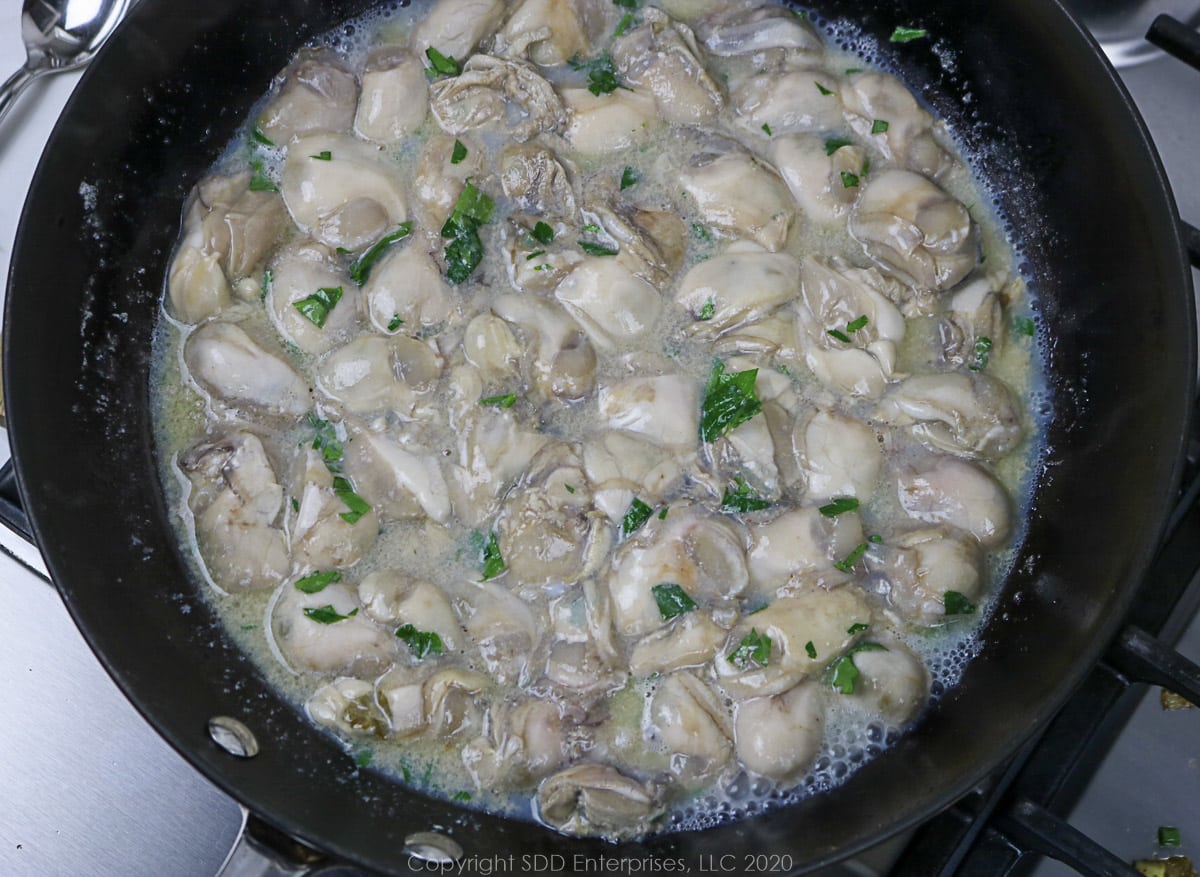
[59,35]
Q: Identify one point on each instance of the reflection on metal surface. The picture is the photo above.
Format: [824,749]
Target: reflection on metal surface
[431,846]
[233,736]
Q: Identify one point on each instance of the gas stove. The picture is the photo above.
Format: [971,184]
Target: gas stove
[90,789]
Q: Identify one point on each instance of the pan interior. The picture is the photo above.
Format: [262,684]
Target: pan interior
[1069,164]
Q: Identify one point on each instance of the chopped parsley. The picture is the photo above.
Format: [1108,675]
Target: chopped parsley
[594,249]
[318,581]
[754,647]
[672,600]
[421,643]
[629,177]
[260,181]
[857,324]
[507,400]
[461,796]
[344,490]
[492,561]
[1024,326]
[844,674]
[394,323]
[839,506]
[983,352]
[323,155]
[318,305]
[327,614]
[875,537]
[442,64]
[259,137]
[361,267]
[879,126]
[1169,836]
[363,758]
[701,232]
[766,129]
[810,650]
[533,256]
[662,516]
[825,91]
[956,603]
[458,153]
[833,144]
[268,279]
[708,310]
[569,488]
[839,335]
[326,441]
[857,627]
[846,564]
[637,515]
[849,180]
[623,24]
[907,34]
[295,504]
[465,251]
[543,233]
[729,401]
[742,499]
[592,228]
[602,75]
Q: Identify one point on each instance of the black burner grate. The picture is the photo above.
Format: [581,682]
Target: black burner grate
[1016,815]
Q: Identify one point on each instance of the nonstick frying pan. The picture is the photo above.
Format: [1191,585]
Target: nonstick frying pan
[1072,169]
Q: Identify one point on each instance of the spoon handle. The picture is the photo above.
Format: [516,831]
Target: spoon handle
[13,87]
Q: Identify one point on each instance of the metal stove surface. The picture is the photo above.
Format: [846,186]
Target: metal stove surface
[89,789]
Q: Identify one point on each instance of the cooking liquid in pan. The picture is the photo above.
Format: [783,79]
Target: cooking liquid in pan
[620,724]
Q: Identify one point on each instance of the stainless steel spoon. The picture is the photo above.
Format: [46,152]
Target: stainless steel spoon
[59,35]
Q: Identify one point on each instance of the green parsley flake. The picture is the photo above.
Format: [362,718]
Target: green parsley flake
[852,558]
[810,650]
[363,758]
[318,581]
[594,249]
[533,256]
[569,488]
[700,232]
[637,515]
[323,155]
[875,537]
[983,353]
[458,153]
[318,305]
[879,126]
[825,91]
[1169,836]
[465,250]
[754,647]
[327,614]
[592,228]
[849,180]
[742,499]
[507,400]
[662,516]
[421,643]
[907,34]
[602,75]
[344,490]
[857,627]
[956,603]
[260,181]
[492,561]
[843,673]
[326,441]
[360,268]
[857,324]
[461,796]
[259,137]
[629,177]
[268,279]
[394,323]
[839,335]
[833,144]
[839,506]
[543,233]
[729,401]
[766,129]
[623,24]
[1024,326]
[708,310]
[442,64]
[672,600]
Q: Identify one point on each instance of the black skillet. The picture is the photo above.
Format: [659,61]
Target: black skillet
[1070,166]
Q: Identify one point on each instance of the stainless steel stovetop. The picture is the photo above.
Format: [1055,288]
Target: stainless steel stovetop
[87,788]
